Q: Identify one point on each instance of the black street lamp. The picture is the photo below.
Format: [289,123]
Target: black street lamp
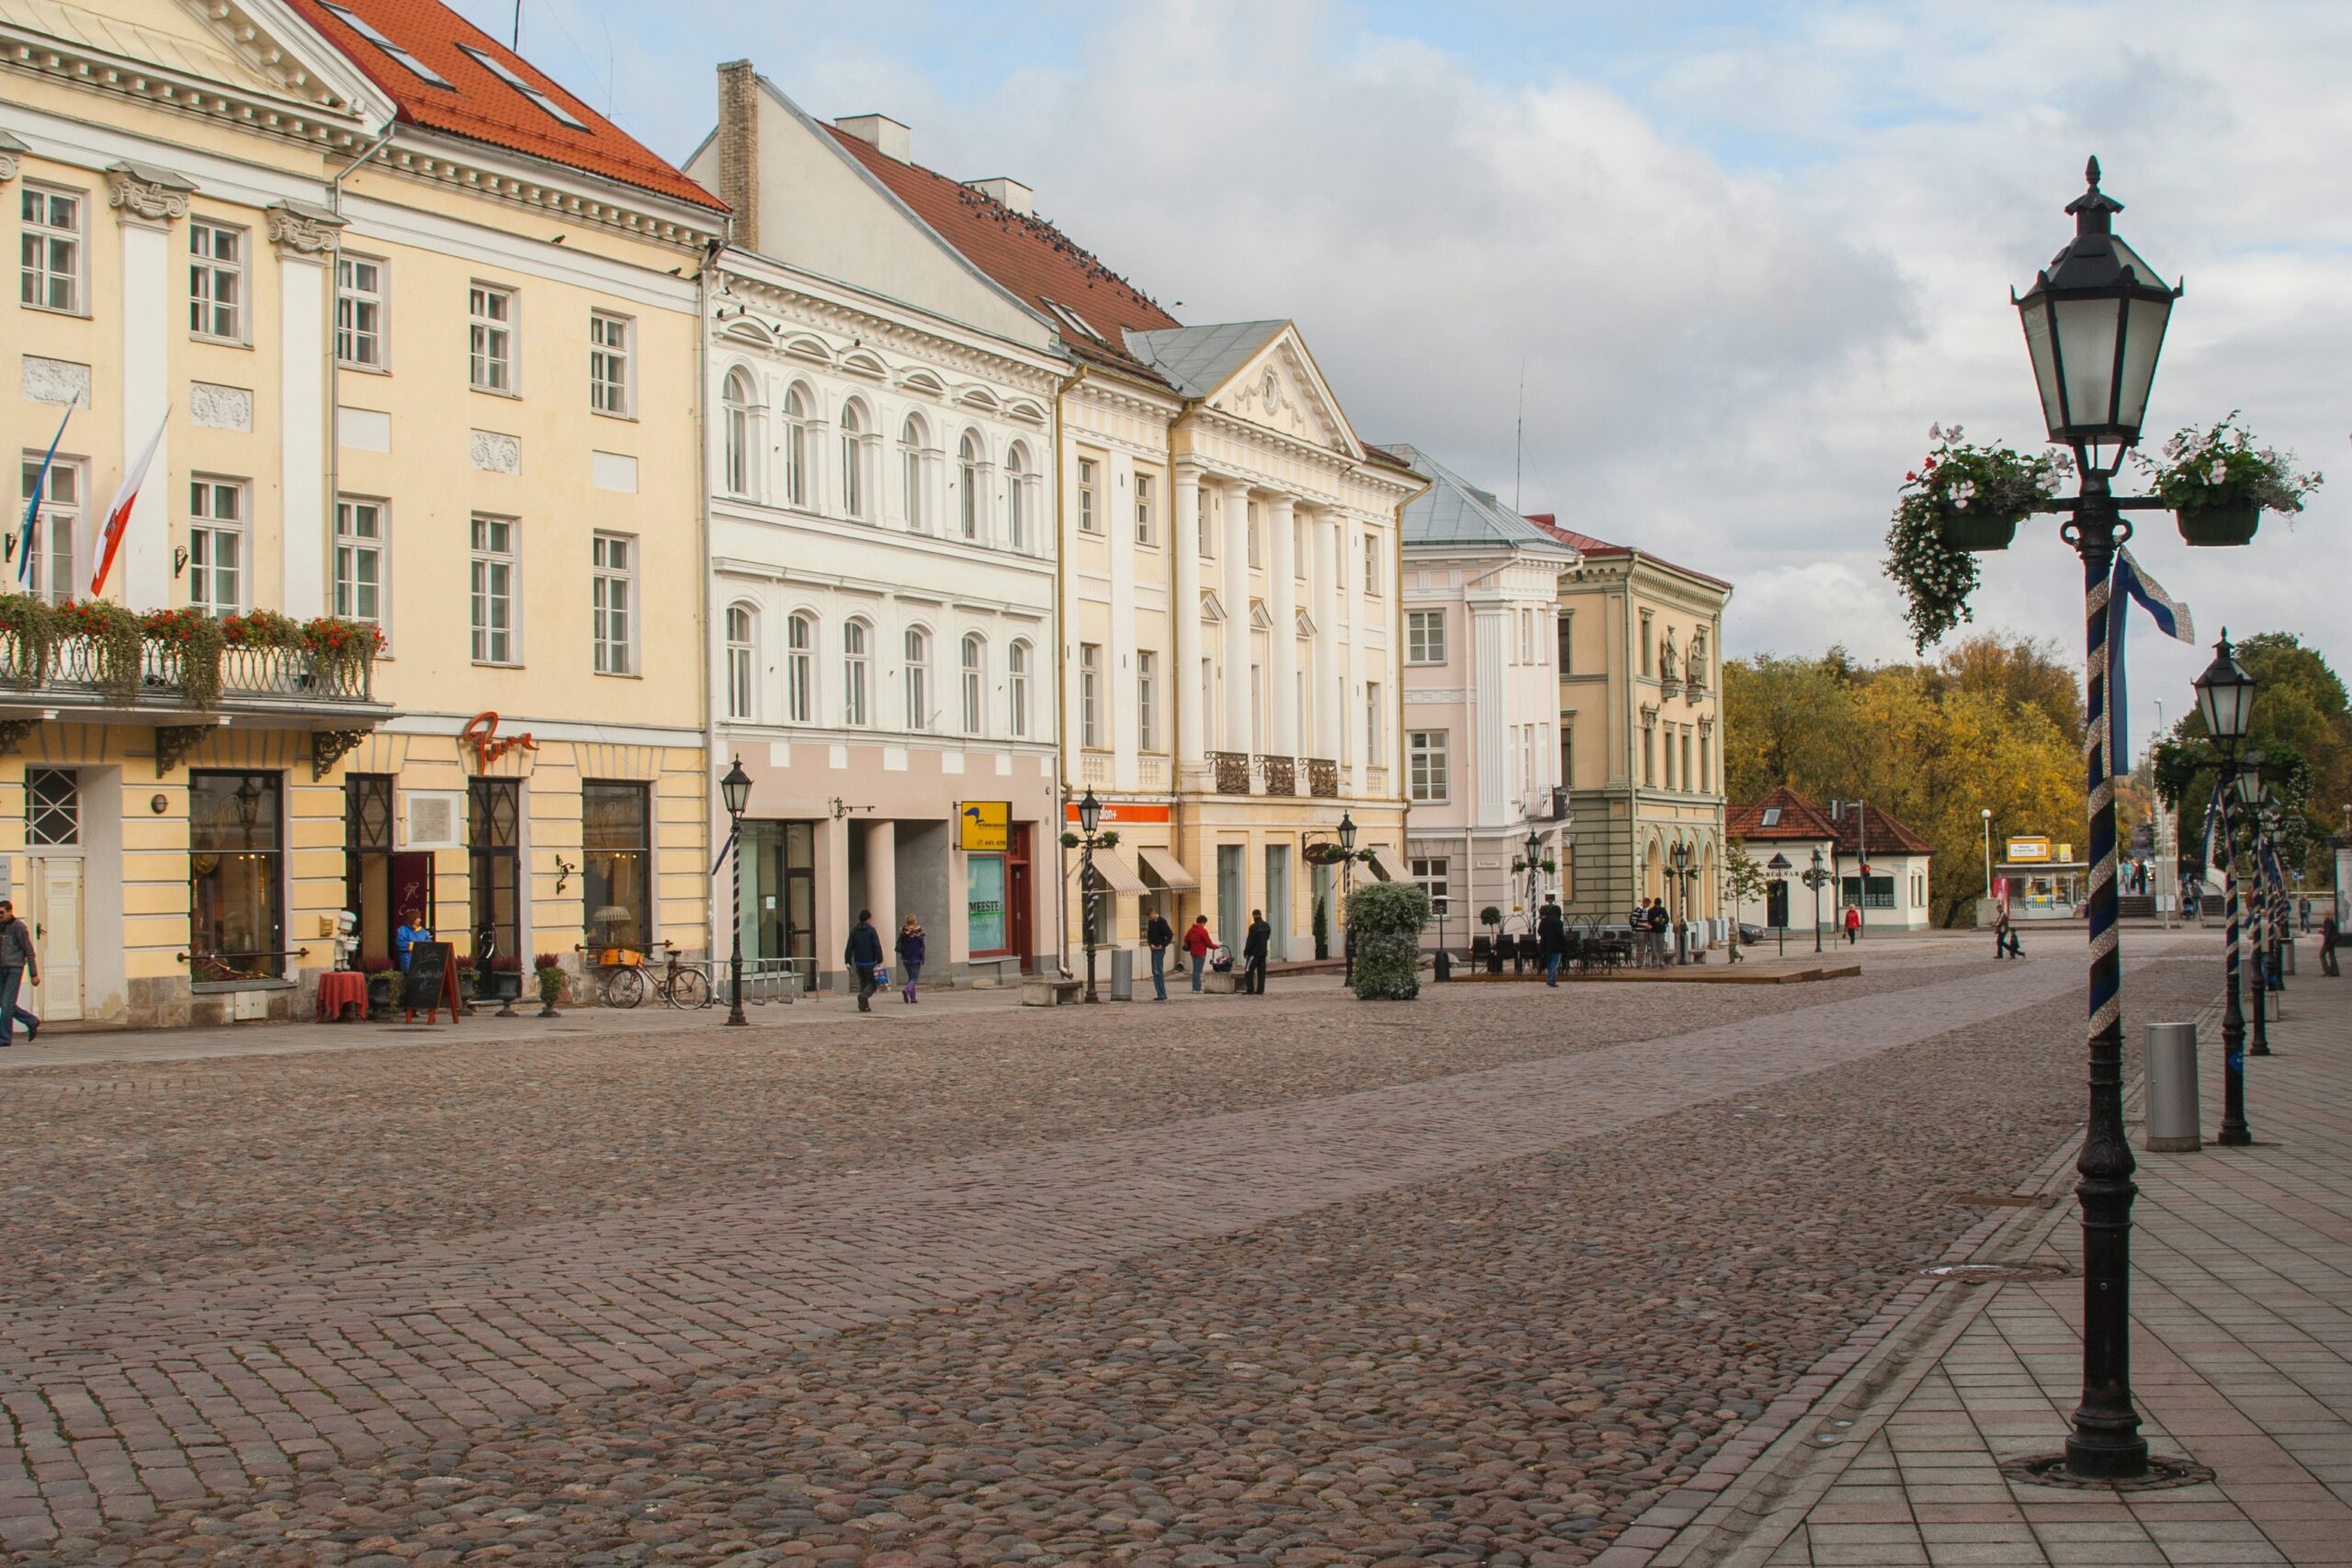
[1534,847]
[735,790]
[1814,879]
[2254,795]
[1347,884]
[2225,701]
[1090,817]
[1780,865]
[1680,856]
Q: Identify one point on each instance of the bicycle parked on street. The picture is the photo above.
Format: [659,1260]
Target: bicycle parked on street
[680,983]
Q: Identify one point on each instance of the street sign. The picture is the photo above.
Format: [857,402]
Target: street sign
[2031,849]
[985,826]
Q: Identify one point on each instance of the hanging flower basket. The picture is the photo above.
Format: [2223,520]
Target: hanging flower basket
[2219,524]
[1976,529]
[2219,482]
[1964,499]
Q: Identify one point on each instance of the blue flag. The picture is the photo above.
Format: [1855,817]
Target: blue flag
[2131,582]
[32,506]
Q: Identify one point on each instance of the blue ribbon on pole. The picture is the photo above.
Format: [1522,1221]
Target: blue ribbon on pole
[2131,583]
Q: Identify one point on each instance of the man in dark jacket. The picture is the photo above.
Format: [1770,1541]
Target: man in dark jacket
[1552,937]
[17,959]
[863,953]
[1253,954]
[2331,937]
[1157,935]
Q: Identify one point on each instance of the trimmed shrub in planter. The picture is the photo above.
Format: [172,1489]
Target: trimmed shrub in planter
[1386,920]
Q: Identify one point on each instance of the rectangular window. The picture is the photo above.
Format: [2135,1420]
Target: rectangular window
[494,855]
[616,863]
[610,346]
[1147,525]
[56,526]
[1649,756]
[1647,666]
[1089,515]
[495,584]
[613,560]
[360,549]
[1146,701]
[1425,637]
[1425,772]
[489,338]
[1871,892]
[216,280]
[1431,873]
[359,311]
[1089,694]
[1372,564]
[522,84]
[1567,751]
[1207,529]
[1688,782]
[368,30]
[236,855]
[1298,547]
[49,248]
[1567,642]
[1249,530]
[1375,729]
[216,546]
[984,909]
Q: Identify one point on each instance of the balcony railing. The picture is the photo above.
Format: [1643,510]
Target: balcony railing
[1281,775]
[79,666]
[1095,768]
[1375,781]
[1151,773]
[1232,770]
[1322,778]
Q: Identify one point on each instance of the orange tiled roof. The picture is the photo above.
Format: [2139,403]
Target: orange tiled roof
[1587,545]
[478,105]
[1029,257]
[1804,822]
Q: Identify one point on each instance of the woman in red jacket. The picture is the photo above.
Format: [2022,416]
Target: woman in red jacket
[1197,942]
[1853,923]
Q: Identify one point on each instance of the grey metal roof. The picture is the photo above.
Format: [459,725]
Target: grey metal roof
[1454,512]
[1197,360]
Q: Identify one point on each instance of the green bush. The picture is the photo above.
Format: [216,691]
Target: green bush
[1386,920]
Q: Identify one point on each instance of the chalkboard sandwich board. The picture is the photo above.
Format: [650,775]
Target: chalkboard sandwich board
[431,982]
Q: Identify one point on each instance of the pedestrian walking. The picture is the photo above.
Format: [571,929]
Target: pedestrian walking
[1254,947]
[17,959]
[2329,938]
[2306,912]
[1657,924]
[863,953]
[910,953]
[1552,937]
[2004,938]
[1157,935]
[1853,924]
[407,934]
[1197,944]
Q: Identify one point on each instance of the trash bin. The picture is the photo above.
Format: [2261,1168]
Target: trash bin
[2172,1090]
[1123,974]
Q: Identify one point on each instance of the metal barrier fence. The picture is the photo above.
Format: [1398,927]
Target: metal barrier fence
[765,980]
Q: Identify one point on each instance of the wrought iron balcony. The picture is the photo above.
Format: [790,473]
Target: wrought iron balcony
[80,672]
[1281,775]
[1232,769]
[1322,778]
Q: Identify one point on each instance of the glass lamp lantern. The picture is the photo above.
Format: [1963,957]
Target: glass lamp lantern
[2095,323]
[2225,696]
[1089,813]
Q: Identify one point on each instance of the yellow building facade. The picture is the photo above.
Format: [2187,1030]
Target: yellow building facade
[414,370]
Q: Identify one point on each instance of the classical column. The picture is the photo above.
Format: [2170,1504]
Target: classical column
[1489,651]
[1330,698]
[1281,649]
[1115,510]
[147,200]
[305,237]
[881,893]
[1234,710]
[1184,616]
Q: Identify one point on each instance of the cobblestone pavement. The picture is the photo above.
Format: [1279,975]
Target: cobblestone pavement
[1297,1281]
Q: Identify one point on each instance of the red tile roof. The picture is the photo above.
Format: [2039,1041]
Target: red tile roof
[1885,833]
[1587,545]
[1029,257]
[479,107]
[1804,822]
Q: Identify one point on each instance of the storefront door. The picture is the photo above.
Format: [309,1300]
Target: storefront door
[53,897]
[1279,913]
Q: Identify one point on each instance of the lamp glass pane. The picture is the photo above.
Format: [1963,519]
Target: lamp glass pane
[2035,311]
[2143,337]
[2086,350]
[2249,784]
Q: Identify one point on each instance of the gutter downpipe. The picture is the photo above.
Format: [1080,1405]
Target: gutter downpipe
[712,249]
[334,360]
[1061,727]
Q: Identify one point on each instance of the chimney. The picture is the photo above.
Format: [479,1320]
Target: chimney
[1012,195]
[884,135]
[739,148]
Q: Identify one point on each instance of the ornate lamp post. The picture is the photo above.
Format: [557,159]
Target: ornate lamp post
[2253,796]
[735,790]
[1780,865]
[1680,856]
[1815,876]
[2225,701]
[1986,813]
[1090,817]
[1534,848]
[1347,885]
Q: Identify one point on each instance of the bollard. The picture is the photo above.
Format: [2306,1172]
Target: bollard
[2172,1090]
[1123,974]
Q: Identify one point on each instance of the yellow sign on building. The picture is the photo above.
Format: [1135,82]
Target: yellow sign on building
[2030,849]
[985,826]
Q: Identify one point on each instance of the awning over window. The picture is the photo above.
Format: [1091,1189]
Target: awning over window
[1116,873]
[1168,869]
[1384,865]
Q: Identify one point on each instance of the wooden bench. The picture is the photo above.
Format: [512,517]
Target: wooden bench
[1048,991]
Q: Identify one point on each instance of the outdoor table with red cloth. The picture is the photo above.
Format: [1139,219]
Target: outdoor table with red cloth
[338,987]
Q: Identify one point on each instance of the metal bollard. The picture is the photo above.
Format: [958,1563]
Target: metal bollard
[1123,974]
[2172,1090]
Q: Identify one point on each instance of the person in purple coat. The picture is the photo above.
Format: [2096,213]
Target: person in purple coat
[910,953]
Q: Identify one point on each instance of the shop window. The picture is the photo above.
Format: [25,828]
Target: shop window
[985,909]
[368,882]
[494,857]
[236,877]
[616,880]
[53,807]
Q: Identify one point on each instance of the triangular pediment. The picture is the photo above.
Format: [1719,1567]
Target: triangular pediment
[256,49]
[1210,609]
[1281,387]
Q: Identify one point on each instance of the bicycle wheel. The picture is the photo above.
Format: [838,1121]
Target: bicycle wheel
[624,988]
[690,988]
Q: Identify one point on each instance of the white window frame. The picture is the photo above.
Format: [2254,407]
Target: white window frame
[739,432]
[1370,564]
[857,672]
[350,300]
[1090,511]
[216,291]
[801,633]
[350,545]
[913,439]
[915,648]
[1433,875]
[794,442]
[37,276]
[1016,497]
[742,628]
[1147,522]
[1428,771]
[1090,696]
[974,660]
[971,461]
[490,562]
[494,312]
[1016,688]
[1374,726]
[856,505]
[613,600]
[1146,700]
[207,527]
[1425,637]
[55,519]
[612,364]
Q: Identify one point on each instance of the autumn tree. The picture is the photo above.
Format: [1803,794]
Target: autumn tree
[2303,726]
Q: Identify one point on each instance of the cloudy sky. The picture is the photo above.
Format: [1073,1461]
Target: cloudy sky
[1742,255]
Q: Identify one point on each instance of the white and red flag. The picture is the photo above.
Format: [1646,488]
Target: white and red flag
[118,512]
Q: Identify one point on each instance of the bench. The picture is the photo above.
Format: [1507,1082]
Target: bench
[1048,991]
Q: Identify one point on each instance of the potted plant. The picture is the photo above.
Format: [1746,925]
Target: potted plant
[115,640]
[2219,484]
[502,982]
[33,626]
[383,985]
[1963,499]
[549,968]
[194,640]
[1386,920]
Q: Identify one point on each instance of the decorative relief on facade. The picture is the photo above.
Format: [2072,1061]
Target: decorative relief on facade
[141,191]
[55,381]
[496,454]
[220,408]
[301,229]
[9,148]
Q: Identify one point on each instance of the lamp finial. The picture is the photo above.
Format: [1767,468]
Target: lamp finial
[2090,173]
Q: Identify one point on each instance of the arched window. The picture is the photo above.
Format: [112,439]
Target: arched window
[741,637]
[968,482]
[975,669]
[918,678]
[911,444]
[800,669]
[1016,689]
[795,448]
[737,422]
[1016,500]
[856,671]
[853,461]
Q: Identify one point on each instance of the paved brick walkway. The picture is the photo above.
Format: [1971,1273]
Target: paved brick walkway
[2241,1353]
[164,1394]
